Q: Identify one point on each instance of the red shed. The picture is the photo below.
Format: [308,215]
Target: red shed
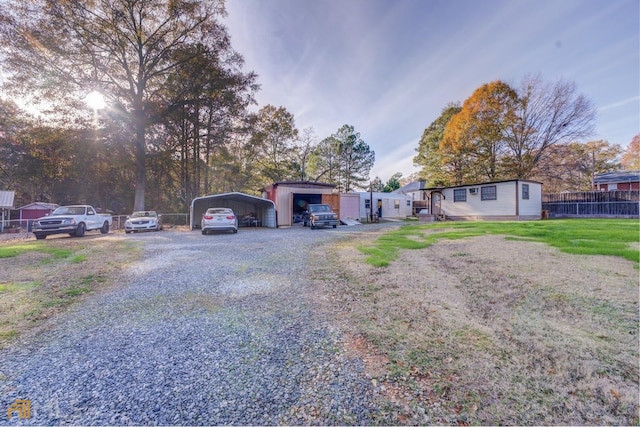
[36,210]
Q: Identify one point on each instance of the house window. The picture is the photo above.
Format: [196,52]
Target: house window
[460,195]
[488,193]
[396,204]
[408,203]
[525,191]
[367,204]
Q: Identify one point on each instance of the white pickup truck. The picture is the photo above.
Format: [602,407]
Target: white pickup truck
[73,220]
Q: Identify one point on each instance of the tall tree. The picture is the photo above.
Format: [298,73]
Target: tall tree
[572,166]
[377,185]
[273,137]
[355,159]
[501,133]
[12,122]
[206,99]
[631,157]
[476,132]
[547,114]
[393,183]
[302,153]
[123,48]
[429,156]
[324,164]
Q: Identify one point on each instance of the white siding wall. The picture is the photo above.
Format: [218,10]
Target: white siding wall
[389,209]
[504,206]
[532,207]
[349,206]
[505,203]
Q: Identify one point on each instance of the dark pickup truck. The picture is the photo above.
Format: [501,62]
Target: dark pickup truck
[320,215]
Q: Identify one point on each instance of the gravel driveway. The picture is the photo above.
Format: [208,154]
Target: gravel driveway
[204,330]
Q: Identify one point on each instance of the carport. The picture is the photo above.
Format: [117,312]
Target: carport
[244,205]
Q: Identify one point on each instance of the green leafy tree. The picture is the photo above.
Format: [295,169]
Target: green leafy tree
[393,183]
[324,164]
[355,159]
[343,159]
[61,50]
[206,100]
[429,156]
[273,138]
[12,122]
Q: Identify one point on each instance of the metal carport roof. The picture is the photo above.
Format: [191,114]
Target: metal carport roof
[6,199]
[241,203]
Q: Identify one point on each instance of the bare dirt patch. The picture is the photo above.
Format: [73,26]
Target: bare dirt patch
[488,330]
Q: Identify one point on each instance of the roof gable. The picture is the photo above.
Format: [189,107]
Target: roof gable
[619,176]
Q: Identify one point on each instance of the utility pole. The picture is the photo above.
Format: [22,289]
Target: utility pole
[370,201]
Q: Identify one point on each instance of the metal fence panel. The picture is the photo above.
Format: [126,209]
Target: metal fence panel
[593,204]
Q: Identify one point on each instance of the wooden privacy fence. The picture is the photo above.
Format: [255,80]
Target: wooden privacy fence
[593,204]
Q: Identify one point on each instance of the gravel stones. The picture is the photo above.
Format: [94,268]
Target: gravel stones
[204,330]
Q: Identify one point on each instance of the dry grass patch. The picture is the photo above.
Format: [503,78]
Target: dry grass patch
[40,279]
[486,330]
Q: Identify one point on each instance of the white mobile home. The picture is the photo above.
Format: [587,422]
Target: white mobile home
[384,205]
[501,200]
[416,192]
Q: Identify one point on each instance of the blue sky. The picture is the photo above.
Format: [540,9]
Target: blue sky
[389,67]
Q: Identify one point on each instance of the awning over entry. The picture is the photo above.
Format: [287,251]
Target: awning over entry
[263,210]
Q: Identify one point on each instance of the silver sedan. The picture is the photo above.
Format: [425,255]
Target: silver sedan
[143,221]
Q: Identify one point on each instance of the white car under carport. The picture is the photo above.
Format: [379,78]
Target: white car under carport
[244,205]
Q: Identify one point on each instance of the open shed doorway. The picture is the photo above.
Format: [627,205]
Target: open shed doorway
[300,203]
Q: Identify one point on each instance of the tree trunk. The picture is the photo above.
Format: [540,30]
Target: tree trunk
[138,202]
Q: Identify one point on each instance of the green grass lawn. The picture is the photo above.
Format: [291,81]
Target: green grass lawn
[10,251]
[615,237]
[490,332]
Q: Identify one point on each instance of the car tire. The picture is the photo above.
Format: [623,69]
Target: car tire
[40,236]
[235,231]
[80,230]
[204,232]
[105,228]
[127,231]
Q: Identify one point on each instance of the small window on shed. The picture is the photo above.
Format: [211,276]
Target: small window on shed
[489,192]
[525,191]
[367,204]
[408,202]
[460,195]
[396,204]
